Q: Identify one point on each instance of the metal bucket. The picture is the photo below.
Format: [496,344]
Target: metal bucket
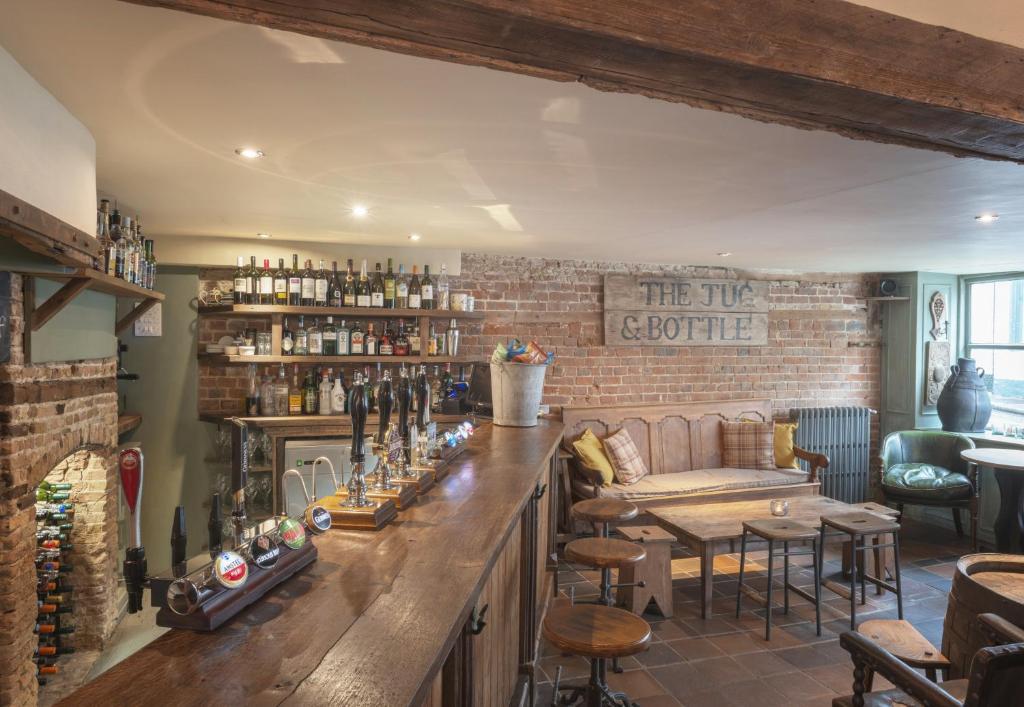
[516,390]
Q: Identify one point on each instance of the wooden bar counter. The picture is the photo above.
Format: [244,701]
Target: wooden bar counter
[386,618]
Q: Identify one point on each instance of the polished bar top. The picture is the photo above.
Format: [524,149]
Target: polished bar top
[370,622]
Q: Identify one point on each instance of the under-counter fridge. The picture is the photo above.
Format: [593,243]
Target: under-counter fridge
[314,458]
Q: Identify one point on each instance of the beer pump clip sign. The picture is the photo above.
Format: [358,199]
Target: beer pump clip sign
[682,311]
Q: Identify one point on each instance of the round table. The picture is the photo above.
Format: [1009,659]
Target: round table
[1008,467]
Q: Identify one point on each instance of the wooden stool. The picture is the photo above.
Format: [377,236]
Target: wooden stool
[906,643]
[597,633]
[655,572]
[882,558]
[785,531]
[604,511]
[859,526]
[605,554]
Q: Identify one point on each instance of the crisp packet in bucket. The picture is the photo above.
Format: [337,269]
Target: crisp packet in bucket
[533,354]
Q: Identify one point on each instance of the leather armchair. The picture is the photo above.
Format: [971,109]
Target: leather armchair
[923,467]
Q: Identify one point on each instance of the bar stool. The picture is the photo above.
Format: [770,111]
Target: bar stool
[862,526]
[782,530]
[597,633]
[604,511]
[605,554]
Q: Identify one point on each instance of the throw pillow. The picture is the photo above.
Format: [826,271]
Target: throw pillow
[629,465]
[748,445]
[785,457]
[590,454]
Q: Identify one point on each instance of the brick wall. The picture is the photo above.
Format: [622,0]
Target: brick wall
[823,349]
[58,419]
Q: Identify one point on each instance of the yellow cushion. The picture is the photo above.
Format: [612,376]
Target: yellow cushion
[590,453]
[785,457]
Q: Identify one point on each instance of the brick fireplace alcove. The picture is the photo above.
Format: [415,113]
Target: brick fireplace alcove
[57,421]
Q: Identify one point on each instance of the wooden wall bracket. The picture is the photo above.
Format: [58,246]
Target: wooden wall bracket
[79,280]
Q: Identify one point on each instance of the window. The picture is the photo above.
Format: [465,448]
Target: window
[995,339]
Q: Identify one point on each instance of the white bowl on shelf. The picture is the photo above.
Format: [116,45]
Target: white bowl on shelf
[231,350]
[214,349]
[246,350]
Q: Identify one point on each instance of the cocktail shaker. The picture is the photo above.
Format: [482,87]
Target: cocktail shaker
[451,338]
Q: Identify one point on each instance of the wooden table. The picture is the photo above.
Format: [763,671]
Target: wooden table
[1008,467]
[381,615]
[707,527]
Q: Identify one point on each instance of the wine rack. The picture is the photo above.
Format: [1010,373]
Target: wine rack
[54,625]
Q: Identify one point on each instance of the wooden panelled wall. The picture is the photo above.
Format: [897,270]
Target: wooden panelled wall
[493,660]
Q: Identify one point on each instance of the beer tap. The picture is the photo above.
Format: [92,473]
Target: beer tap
[404,397]
[385,401]
[239,476]
[179,541]
[215,526]
[422,398]
[357,483]
[134,568]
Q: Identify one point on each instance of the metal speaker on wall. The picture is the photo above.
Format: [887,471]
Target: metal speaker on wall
[888,287]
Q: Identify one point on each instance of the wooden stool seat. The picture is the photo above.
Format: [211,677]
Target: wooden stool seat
[861,523]
[605,510]
[604,552]
[873,507]
[595,631]
[906,643]
[780,529]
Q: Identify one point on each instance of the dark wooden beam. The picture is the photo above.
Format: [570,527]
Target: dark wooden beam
[42,233]
[817,64]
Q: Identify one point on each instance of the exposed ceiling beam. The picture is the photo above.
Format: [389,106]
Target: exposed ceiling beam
[816,64]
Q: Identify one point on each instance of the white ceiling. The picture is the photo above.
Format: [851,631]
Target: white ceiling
[481,160]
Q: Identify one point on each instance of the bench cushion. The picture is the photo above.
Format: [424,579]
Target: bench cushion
[688,483]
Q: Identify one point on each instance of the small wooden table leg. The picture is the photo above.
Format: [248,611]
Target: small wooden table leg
[707,573]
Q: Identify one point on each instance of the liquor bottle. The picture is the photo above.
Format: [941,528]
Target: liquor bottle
[150,280]
[252,284]
[356,340]
[281,283]
[320,287]
[371,392]
[443,294]
[308,285]
[344,335]
[336,295]
[126,248]
[377,289]
[447,384]
[301,338]
[324,402]
[431,341]
[349,293]
[363,288]
[287,339]
[309,396]
[414,341]
[241,283]
[330,334]
[385,347]
[401,289]
[315,339]
[266,284]
[401,340]
[103,234]
[370,341]
[415,291]
[435,390]
[252,397]
[281,393]
[427,290]
[295,283]
[295,394]
[389,287]
[338,395]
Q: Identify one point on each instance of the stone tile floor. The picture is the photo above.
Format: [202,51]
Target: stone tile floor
[726,661]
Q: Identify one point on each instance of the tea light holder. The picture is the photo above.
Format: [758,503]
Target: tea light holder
[779,507]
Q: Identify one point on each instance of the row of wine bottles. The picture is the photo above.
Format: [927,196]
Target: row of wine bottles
[319,287]
[54,593]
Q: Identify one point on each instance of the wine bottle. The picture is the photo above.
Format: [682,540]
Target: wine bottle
[320,287]
[389,287]
[415,291]
[252,285]
[350,286]
[295,282]
[377,289]
[241,283]
[308,285]
[281,283]
[426,289]
[266,284]
[401,289]
[336,295]
[363,288]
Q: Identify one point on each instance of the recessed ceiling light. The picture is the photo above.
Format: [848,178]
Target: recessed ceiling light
[987,218]
[249,153]
[360,211]
[414,236]
[724,254]
[263,235]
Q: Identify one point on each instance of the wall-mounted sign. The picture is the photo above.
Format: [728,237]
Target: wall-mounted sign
[681,311]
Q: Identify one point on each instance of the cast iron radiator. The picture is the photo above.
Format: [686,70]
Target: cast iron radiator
[844,434]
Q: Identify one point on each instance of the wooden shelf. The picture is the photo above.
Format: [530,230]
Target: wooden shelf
[886,299]
[81,279]
[239,360]
[128,422]
[239,310]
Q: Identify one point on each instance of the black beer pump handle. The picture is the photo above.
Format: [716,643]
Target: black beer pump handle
[404,403]
[358,409]
[385,403]
[422,395]
[216,525]
[179,537]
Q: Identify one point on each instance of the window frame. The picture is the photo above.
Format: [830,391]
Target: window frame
[965,318]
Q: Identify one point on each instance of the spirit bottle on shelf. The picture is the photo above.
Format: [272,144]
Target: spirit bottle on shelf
[344,336]
[370,341]
[385,347]
[280,283]
[295,283]
[401,340]
[377,289]
[295,394]
[414,341]
[356,340]
[415,291]
[287,339]
[309,396]
[324,402]
[401,289]
[301,338]
[427,289]
[338,395]
[320,287]
[308,285]
[282,393]
[241,282]
[441,294]
[315,339]
[330,336]
[389,287]
[363,288]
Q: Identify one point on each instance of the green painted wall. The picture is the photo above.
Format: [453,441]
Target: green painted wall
[175,443]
